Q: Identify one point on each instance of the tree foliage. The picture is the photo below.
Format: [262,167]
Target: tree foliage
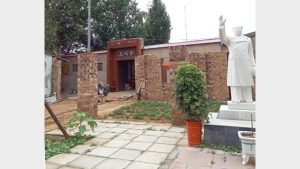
[66,23]
[158,24]
[116,19]
[190,92]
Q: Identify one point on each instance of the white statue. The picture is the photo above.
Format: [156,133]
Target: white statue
[241,63]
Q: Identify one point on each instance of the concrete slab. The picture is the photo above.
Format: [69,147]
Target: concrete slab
[116,143]
[81,149]
[113,164]
[111,125]
[96,141]
[148,139]
[52,166]
[176,129]
[125,154]
[163,148]
[153,133]
[176,165]
[107,135]
[86,161]
[103,151]
[125,136]
[127,126]
[132,131]
[140,165]
[68,167]
[138,146]
[117,130]
[183,142]
[173,134]
[95,133]
[161,127]
[101,129]
[167,140]
[62,159]
[142,127]
[152,157]
[195,158]
[231,114]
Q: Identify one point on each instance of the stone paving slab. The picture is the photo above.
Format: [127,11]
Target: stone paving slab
[140,165]
[103,151]
[138,146]
[161,127]
[81,149]
[116,143]
[176,129]
[93,133]
[63,159]
[117,130]
[107,135]
[113,164]
[163,148]
[142,127]
[68,167]
[101,129]
[167,140]
[195,158]
[148,139]
[111,125]
[183,142]
[176,165]
[96,141]
[132,131]
[86,161]
[152,157]
[126,136]
[125,154]
[127,126]
[173,134]
[153,133]
[52,166]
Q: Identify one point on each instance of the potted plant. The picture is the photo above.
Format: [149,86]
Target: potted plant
[191,98]
[247,139]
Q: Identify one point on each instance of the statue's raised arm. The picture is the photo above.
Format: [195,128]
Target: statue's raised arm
[222,35]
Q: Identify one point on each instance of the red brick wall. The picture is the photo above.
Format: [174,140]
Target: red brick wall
[87,82]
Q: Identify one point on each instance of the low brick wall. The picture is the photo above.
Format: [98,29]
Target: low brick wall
[87,84]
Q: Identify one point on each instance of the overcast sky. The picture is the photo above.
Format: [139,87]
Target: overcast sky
[202,17]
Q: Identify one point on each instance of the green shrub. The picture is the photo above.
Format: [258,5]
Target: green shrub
[77,120]
[190,92]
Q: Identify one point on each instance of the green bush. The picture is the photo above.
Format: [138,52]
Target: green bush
[77,120]
[190,92]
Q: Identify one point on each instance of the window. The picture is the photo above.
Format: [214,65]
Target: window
[100,66]
[75,67]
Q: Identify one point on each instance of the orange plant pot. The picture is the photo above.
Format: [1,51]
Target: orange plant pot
[194,130]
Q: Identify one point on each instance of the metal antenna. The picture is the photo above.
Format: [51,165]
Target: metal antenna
[185,22]
[89,26]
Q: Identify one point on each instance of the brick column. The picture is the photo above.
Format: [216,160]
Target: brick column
[87,82]
[56,77]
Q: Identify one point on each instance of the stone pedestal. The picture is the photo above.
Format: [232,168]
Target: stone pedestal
[87,83]
[237,111]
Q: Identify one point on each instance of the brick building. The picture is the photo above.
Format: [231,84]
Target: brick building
[116,66]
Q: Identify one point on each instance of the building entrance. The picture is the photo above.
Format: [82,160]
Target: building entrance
[126,75]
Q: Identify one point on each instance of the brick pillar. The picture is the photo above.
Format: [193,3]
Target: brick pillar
[87,82]
[56,77]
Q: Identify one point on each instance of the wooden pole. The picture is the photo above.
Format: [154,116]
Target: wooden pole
[56,121]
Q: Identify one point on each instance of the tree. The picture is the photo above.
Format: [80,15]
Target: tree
[115,19]
[65,26]
[158,24]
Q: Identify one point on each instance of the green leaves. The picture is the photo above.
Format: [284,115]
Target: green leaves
[77,121]
[190,92]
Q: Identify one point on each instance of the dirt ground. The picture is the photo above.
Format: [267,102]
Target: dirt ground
[65,108]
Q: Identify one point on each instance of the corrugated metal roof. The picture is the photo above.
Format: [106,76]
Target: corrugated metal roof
[194,42]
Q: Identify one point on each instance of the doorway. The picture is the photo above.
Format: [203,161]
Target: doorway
[126,76]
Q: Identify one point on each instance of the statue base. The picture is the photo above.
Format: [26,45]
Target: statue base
[237,111]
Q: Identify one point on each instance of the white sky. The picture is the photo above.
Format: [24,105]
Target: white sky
[202,17]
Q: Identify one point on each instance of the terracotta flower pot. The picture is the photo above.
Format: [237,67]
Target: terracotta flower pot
[194,130]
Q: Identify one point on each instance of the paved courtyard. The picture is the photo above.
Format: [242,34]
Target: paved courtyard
[138,145]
